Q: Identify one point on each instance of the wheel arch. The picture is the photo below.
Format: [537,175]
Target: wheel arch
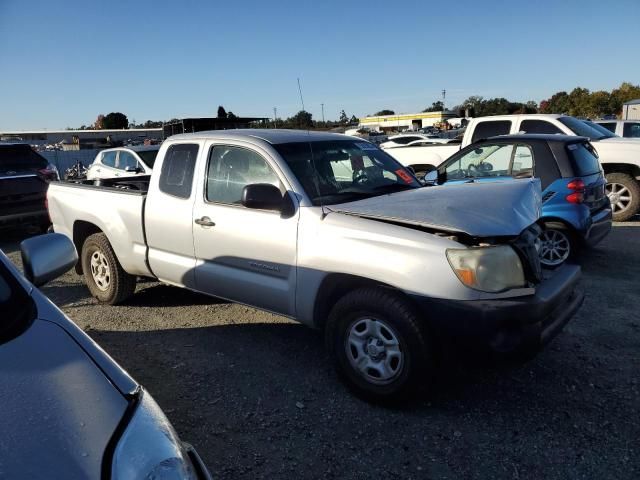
[81,231]
[335,286]
[628,168]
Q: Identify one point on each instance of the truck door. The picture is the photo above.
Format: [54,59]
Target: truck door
[245,255]
[168,216]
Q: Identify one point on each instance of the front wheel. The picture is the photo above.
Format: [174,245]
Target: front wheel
[624,194]
[377,345]
[557,245]
[105,277]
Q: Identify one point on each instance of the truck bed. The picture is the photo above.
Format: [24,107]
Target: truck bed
[114,207]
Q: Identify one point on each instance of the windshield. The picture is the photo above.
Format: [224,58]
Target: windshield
[148,157]
[344,170]
[580,127]
[17,157]
[604,131]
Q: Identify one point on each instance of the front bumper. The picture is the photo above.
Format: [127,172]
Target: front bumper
[521,325]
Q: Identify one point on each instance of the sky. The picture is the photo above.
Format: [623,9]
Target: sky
[63,62]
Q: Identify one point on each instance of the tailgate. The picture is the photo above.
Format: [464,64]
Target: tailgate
[595,196]
[22,195]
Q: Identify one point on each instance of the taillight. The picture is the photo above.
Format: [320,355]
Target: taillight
[50,172]
[577,185]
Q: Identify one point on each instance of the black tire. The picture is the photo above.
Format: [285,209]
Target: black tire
[395,312]
[120,284]
[572,240]
[631,184]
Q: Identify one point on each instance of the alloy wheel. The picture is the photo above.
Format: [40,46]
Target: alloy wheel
[555,247]
[619,196]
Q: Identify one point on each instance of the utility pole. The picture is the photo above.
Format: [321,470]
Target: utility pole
[444,95]
[275,117]
[322,105]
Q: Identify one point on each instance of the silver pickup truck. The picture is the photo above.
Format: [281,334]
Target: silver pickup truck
[333,232]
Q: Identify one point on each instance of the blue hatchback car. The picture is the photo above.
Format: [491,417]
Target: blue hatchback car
[575,208]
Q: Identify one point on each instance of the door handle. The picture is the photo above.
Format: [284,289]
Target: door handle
[205,222]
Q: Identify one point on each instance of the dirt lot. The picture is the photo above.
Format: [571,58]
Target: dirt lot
[254,392]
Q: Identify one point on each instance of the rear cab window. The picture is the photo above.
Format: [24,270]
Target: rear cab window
[176,177]
[539,126]
[583,158]
[611,126]
[491,129]
[15,157]
[631,130]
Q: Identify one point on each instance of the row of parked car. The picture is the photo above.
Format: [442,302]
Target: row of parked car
[326,229]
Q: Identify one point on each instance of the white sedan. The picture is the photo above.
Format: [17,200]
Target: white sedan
[123,162]
[406,140]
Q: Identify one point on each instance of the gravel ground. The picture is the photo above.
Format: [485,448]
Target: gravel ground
[256,396]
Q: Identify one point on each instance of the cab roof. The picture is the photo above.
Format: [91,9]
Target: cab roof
[273,136]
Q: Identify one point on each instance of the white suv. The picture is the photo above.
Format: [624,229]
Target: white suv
[123,162]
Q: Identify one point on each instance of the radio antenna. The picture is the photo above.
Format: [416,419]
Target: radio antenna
[313,160]
[300,92]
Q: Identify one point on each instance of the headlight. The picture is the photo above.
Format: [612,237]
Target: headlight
[490,269]
[150,448]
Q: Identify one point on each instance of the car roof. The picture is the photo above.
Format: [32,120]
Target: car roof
[273,136]
[143,148]
[546,137]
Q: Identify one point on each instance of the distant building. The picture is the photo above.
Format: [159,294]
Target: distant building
[405,121]
[81,139]
[631,110]
[192,125]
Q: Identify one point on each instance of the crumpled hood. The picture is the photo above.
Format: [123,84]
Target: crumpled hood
[486,209]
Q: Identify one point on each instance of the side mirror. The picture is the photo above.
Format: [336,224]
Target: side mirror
[262,196]
[132,169]
[431,178]
[46,257]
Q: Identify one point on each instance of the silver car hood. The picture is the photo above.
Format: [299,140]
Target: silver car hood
[479,209]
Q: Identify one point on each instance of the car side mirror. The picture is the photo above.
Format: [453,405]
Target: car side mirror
[46,257]
[262,196]
[132,169]
[431,178]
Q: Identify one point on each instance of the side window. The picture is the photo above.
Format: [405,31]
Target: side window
[491,129]
[231,169]
[176,177]
[125,159]
[538,126]
[485,161]
[109,159]
[522,162]
[631,129]
[611,126]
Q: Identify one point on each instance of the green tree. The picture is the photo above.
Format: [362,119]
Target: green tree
[384,112]
[343,117]
[302,119]
[115,120]
[222,113]
[435,107]
[231,115]
[354,120]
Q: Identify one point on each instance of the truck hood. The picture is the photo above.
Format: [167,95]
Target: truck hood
[493,209]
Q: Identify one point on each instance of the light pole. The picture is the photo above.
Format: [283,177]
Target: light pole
[444,95]
[275,117]
[322,105]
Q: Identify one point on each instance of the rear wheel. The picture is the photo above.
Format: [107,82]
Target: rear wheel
[106,279]
[376,344]
[557,244]
[624,194]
